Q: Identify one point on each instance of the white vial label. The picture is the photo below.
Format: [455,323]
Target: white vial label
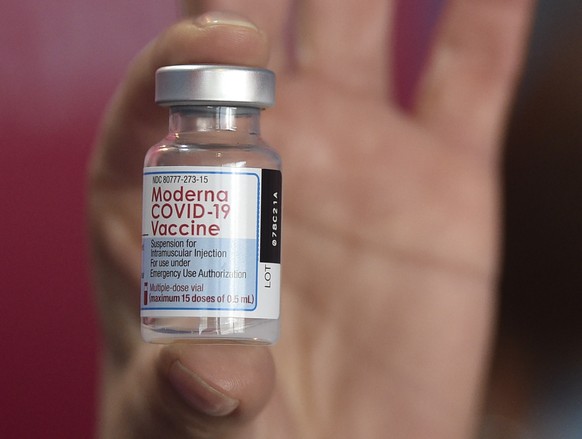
[211,242]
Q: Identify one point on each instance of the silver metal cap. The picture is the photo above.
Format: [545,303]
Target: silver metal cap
[204,84]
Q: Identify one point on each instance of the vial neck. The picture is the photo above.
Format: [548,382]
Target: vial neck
[214,120]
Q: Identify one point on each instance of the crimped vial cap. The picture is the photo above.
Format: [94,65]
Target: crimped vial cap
[204,84]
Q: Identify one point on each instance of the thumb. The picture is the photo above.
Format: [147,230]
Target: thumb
[189,391]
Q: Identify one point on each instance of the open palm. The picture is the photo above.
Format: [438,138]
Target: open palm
[390,230]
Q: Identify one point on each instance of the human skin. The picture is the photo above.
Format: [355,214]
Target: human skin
[391,229]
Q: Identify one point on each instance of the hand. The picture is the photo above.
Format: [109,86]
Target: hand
[390,231]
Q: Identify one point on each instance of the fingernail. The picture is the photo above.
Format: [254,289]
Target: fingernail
[224,18]
[198,393]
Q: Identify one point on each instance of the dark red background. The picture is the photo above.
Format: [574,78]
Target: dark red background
[61,61]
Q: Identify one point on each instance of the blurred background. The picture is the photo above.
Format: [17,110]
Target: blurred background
[61,63]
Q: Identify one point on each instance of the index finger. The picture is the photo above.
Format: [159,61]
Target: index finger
[134,122]
[467,87]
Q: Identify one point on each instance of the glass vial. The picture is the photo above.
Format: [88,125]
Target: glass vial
[212,211]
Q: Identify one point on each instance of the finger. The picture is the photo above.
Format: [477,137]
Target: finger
[466,90]
[275,17]
[185,391]
[348,42]
[135,122]
[195,7]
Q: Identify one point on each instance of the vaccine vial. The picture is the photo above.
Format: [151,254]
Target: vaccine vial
[211,236]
